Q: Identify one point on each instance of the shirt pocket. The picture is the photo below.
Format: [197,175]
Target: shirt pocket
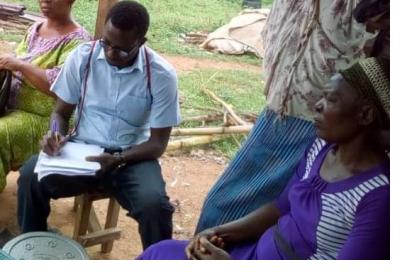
[134,110]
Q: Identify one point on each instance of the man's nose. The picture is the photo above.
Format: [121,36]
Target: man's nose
[111,53]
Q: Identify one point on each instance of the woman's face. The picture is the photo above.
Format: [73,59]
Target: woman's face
[55,8]
[337,115]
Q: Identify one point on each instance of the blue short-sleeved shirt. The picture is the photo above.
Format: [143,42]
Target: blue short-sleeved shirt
[118,107]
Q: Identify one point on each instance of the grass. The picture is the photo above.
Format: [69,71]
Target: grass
[169,19]
[242,89]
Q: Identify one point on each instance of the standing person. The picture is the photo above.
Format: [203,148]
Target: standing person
[37,61]
[127,102]
[306,41]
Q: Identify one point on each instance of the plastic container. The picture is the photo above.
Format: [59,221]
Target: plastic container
[40,245]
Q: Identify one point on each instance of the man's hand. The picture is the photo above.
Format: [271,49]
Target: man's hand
[11,63]
[107,161]
[212,252]
[52,143]
[195,245]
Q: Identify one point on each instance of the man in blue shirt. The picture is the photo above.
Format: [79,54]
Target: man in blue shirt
[126,101]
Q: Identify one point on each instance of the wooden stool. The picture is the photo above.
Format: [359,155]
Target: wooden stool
[86,220]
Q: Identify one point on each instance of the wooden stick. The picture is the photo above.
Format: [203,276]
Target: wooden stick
[236,140]
[211,130]
[193,141]
[10,9]
[203,108]
[13,24]
[201,118]
[252,117]
[226,106]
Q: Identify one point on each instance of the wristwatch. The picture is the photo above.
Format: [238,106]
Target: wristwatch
[120,159]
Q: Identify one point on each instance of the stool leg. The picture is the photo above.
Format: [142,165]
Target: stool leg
[94,224]
[76,203]
[111,222]
[82,216]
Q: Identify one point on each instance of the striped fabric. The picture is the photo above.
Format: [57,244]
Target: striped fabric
[312,154]
[259,171]
[338,211]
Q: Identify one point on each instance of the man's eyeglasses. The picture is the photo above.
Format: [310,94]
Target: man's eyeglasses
[121,53]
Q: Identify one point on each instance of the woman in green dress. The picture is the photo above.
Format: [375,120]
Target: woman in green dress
[35,65]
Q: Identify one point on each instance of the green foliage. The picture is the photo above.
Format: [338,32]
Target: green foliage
[170,19]
[241,89]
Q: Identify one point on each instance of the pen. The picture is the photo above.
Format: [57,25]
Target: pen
[54,129]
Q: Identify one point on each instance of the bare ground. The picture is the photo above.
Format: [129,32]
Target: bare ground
[187,64]
[187,180]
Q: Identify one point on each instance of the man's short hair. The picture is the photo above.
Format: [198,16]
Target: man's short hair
[129,15]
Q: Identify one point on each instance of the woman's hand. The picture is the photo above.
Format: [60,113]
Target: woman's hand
[11,63]
[210,252]
[195,246]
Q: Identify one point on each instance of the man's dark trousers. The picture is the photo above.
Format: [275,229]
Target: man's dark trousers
[139,188]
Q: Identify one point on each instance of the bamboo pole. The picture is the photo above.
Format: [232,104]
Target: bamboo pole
[203,108]
[193,141]
[226,118]
[203,118]
[228,107]
[211,130]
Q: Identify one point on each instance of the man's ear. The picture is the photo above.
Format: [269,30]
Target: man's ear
[367,115]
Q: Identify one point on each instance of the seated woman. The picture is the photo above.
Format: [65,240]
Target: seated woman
[336,206]
[37,61]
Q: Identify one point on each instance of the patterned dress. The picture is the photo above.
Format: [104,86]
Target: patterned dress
[306,42]
[347,219]
[23,126]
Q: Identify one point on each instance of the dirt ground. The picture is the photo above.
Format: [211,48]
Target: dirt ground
[187,180]
[186,64]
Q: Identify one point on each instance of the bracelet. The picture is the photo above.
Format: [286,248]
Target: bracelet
[120,158]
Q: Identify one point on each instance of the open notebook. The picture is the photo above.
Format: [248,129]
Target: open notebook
[71,161]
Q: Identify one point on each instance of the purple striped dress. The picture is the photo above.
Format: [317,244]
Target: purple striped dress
[347,219]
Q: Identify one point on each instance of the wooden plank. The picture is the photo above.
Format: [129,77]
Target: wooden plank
[76,203]
[103,7]
[93,225]
[111,222]
[82,216]
[99,237]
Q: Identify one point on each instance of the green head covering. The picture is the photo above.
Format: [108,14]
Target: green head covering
[371,78]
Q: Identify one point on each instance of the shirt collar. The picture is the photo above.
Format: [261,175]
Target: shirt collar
[138,63]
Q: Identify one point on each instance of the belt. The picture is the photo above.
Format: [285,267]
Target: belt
[284,245]
[113,151]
